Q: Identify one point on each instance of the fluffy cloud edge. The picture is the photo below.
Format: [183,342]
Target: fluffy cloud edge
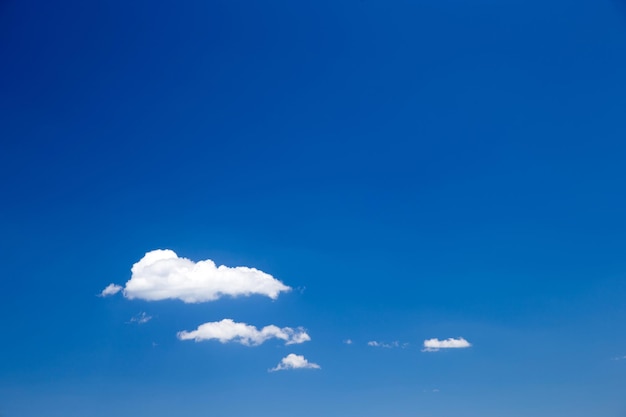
[161,275]
[434,345]
[292,362]
[227,331]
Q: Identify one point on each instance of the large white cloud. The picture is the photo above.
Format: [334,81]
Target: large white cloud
[293,361]
[162,275]
[433,345]
[228,330]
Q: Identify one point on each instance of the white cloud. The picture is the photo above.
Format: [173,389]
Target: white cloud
[374,343]
[433,345]
[293,361]
[618,358]
[141,318]
[162,275]
[394,344]
[434,390]
[348,341]
[228,330]
[111,289]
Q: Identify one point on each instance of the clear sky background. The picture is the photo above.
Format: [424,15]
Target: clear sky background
[413,169]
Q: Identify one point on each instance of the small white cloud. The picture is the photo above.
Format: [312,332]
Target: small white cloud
[111,289]
[228,330]
[394,344]
[141,318]
[348,341]
[298,336]
[293,361]
[162,275]
[618,358]
[433,345]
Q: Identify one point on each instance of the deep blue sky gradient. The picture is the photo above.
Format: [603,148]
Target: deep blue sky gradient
[416,169]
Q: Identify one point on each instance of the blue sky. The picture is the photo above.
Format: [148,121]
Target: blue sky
[411,170]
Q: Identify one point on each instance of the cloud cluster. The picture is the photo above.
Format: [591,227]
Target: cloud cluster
[228,330]
[433,345]
[293,361]
[162,274]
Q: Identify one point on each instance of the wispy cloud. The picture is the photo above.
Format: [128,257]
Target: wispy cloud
[348,341]
[394,344]
[111,289]
[293,361]
[618,358]
[141,318]
[162,275]
[433,345]
[228,330]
